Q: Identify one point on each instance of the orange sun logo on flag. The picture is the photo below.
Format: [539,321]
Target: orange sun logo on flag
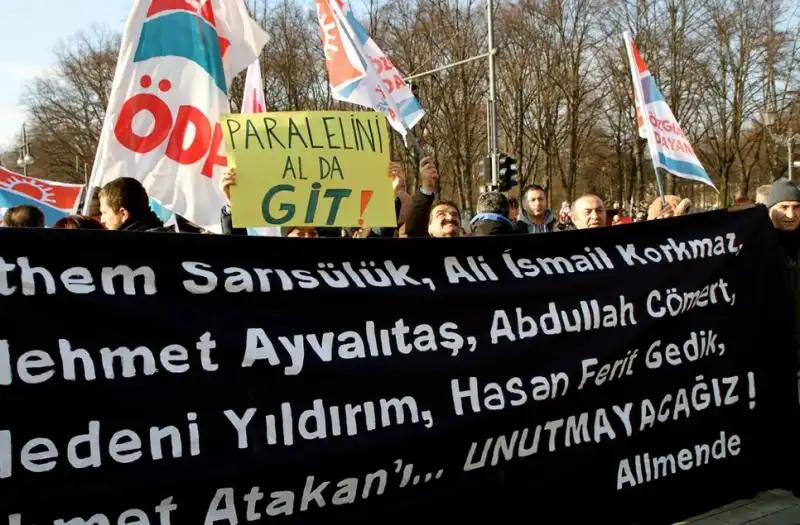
[340,69]
[29,187]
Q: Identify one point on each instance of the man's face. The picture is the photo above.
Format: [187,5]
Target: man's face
[785,215]
[588,212]
[536,203]
[111,219]
[445,222]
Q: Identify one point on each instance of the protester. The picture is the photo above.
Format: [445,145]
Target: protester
[300,232]
[445,220]
[513,207]
[741,198]
[588,211]
[125,206]
[402,203]
[402,198]
[783,203]
[227,182]
[427,218]
[23,216]
[405,207]
[491,216]
[94,206]
[534,217]
[762,194]
[77,222]
[565,217]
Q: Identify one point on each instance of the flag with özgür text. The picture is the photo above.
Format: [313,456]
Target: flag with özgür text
[669,145]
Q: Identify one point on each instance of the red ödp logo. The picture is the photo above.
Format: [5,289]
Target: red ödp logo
[205,143]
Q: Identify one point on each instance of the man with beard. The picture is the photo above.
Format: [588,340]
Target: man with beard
[427,217]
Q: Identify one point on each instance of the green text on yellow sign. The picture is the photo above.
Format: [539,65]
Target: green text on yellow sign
[314,168]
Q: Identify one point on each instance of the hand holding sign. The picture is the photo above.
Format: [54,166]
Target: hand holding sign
[227,182]
[310,169]
[397,176]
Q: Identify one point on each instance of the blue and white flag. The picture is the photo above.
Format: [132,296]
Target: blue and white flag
[669,146]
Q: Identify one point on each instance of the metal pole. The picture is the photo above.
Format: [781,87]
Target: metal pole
[491,113]
[789,144]
[25,152]
[445,68]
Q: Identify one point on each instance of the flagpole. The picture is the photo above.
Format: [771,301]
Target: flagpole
[491,117]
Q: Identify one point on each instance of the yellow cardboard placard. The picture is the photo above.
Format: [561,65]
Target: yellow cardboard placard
[310,168]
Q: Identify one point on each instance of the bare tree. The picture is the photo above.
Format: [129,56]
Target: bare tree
[564,93]
[67,107]
[732,85]
[518,94]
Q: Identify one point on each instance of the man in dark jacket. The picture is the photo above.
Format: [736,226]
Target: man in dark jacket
[783,203]
[534,217]
[491,216]
[125,206]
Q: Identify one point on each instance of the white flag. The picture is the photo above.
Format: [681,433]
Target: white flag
[254,102]
[175,66]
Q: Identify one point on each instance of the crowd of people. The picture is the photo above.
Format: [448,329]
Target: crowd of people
[123,204]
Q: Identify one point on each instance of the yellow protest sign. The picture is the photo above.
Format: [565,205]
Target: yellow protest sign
[310,168]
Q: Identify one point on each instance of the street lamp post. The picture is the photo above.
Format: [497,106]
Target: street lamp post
[784,139]
[789,140]
[25,159]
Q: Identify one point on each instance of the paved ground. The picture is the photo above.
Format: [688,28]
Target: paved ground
[776,507]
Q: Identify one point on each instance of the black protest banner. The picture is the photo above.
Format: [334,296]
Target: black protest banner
[638,374]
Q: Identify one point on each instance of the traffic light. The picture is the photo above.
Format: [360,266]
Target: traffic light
[508,174]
